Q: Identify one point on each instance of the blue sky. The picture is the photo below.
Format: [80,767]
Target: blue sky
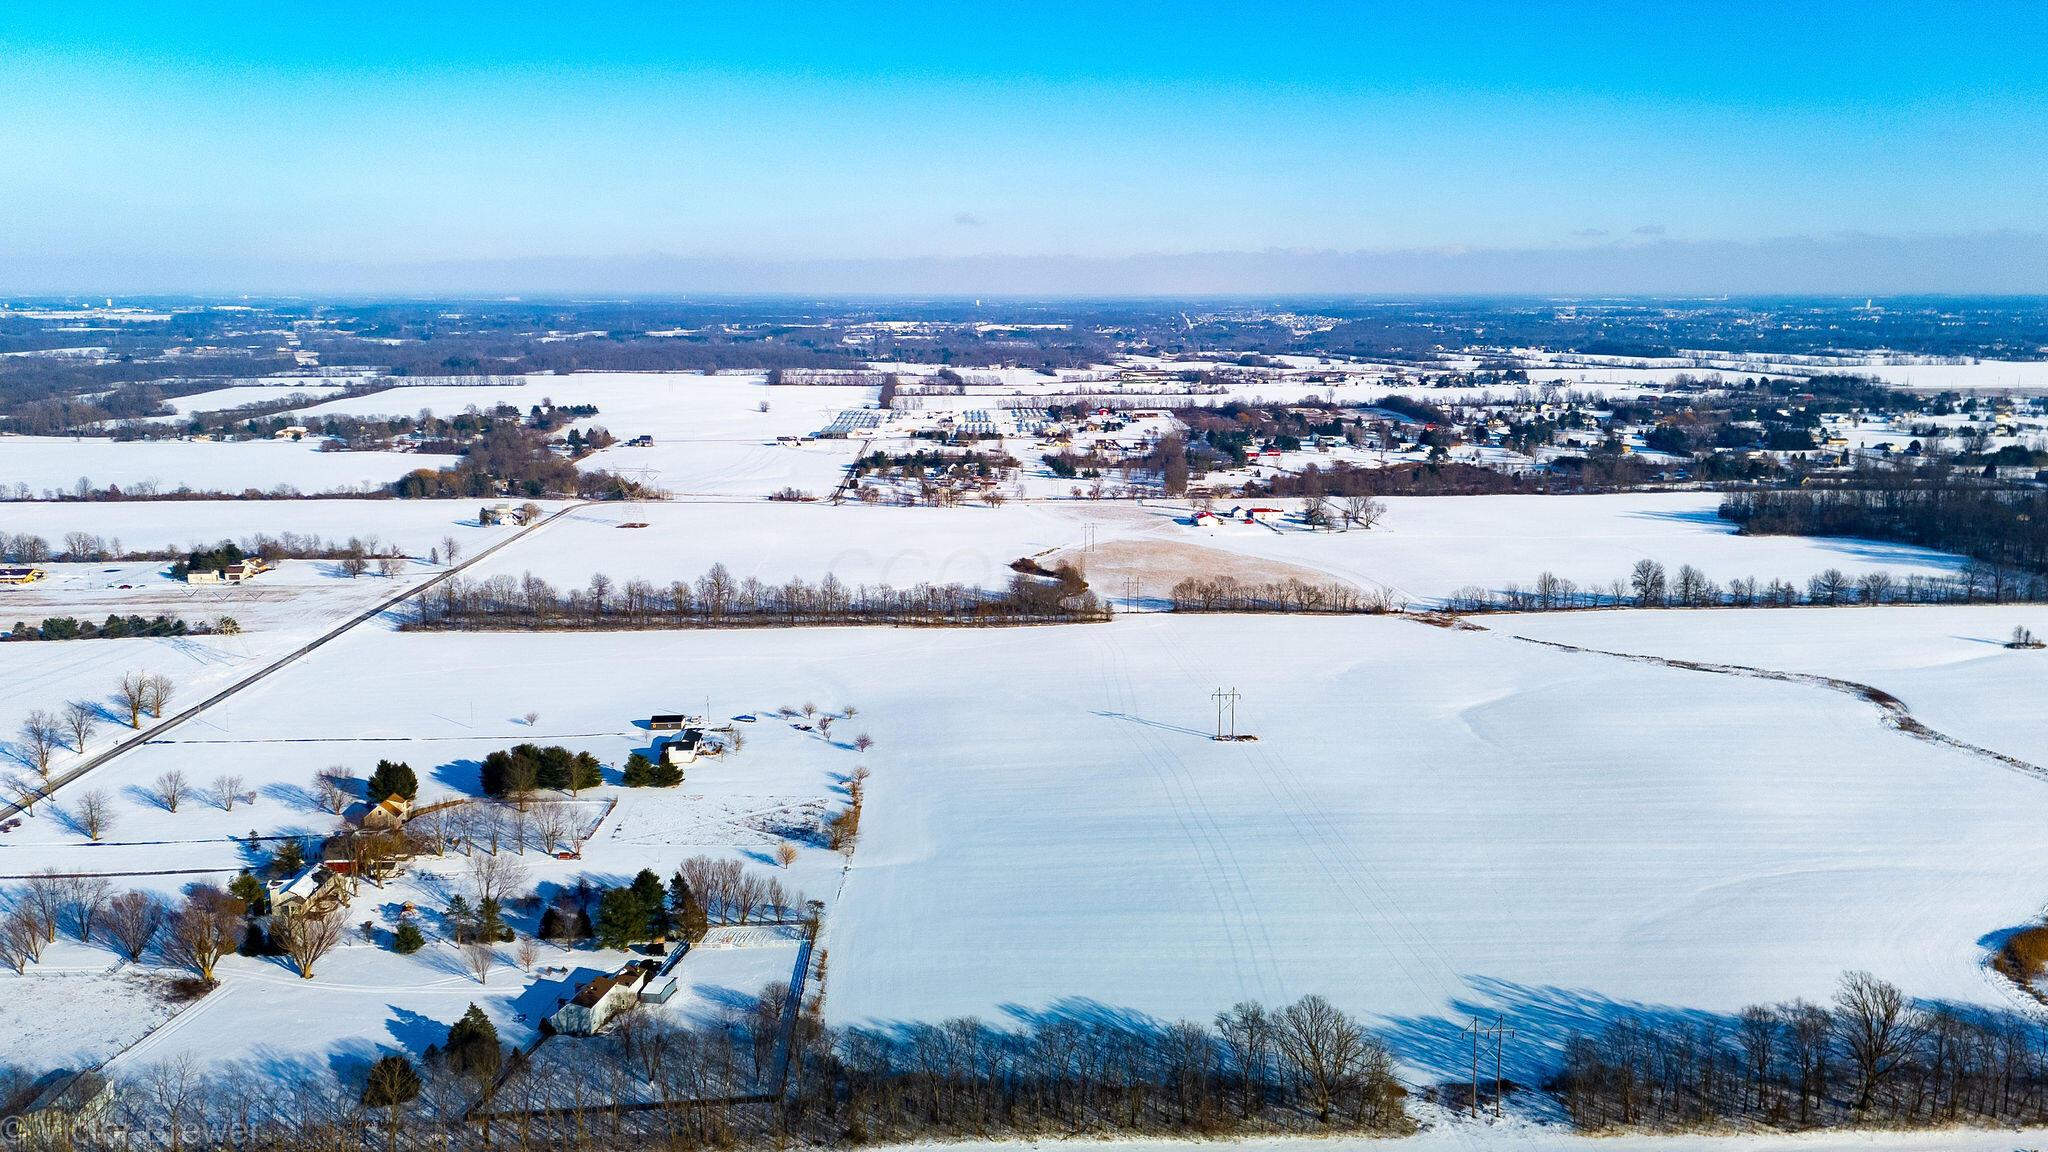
[202,145]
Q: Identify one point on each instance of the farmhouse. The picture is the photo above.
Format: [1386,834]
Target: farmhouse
[684,748]
[312,889]
[239,572]
[20,574]
[666,722]
[388,816]
[594,1004]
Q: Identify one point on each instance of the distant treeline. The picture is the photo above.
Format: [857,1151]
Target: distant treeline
[89,547]
[1651,586]
[717,599]
[2001,526]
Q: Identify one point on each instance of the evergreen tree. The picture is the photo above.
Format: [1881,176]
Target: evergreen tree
[621,918]
[472,1047]
[686,912]
[407,940]
[652,900]
[638,769]
[249,890]
[393,778]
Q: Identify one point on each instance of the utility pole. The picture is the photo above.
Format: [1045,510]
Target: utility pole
[1130,593]
[1473,1028]
[1225,699]
[1500,1031]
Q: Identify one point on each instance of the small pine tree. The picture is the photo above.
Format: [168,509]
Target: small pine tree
[472,1047]
[407,940]
[638,770]
[250,891]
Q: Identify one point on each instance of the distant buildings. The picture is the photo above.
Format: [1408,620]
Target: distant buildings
[20,574]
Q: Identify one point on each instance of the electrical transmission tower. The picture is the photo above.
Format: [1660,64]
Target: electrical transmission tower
[1498,1032]
[1226,701]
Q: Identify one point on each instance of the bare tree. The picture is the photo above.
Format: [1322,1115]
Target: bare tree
[306,937]
[21,938]
[81,720]
[157,692]
[528,953]
[451,550]
[479,957]
[170,789]
[1322,1045]
[531,719]
[332,788]
[227,789]
[94,813]
[40,735]
[493,875]
[1363,511]
[203,930]
[391,567]
[175,1087]
[785,854]
[863,742]
[1877,1029]
[87,897]
[43,899]
[133,919]
[825,727]
[133,692]
[550,827]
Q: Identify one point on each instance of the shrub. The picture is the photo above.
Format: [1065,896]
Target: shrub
[407,940]
[2025,954]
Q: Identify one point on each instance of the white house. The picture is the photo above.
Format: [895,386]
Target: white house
[597,1002]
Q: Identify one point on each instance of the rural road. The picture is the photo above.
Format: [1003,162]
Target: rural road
[156,730]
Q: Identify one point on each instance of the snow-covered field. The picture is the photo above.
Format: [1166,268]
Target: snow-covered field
[1948,664]
[57,463]
[1425,549]
[1432,823]
[414,526]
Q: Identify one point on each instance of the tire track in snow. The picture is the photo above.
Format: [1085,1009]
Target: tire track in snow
[1219,839]
[1892,710]
[1229,909]
[1347,875]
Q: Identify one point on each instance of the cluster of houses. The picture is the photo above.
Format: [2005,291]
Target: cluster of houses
[1239,514]
[506,514]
